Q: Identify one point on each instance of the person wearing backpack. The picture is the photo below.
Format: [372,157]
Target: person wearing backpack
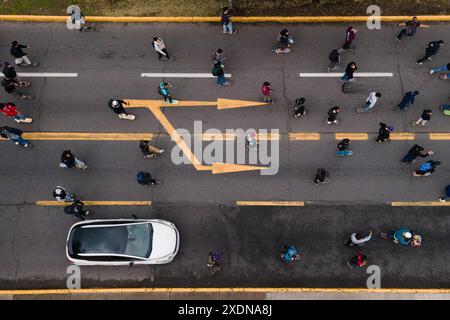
[15,135]
[358,260]
[335,59]
[9,109]
[218,56]
[160,48]
[218,72]
[145,179]
[426,169]
[411,28]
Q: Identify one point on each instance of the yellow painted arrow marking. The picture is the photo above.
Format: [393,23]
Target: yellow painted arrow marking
[155,107]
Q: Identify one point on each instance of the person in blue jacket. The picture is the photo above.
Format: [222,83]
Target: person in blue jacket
[407,100]
[402,236]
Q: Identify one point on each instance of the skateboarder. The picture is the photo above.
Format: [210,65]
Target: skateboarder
[332,113]
[431,49]
[9,109]
[218,72]
[349,71]
[414,152]
[20,56]
[160,48]
[116,105]
[371,101]
[384,133]
[411,28]
[68,160]
[408,99]
[424,118]
[148,150]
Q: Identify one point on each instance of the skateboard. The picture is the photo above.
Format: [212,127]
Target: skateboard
[281,51]
[24,84]
[344,155]
[418,125]
[173,102]
[26,120]
[361,110]
[339,122]
[127,116]
[33,64]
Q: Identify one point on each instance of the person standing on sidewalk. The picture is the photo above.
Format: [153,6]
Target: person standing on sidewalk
[335,59]
[413,153]
[431,49]
[408,99]
[160,48]
[411,28]
[62,195]
[218,72]
[267,91]
[371,101]
[68,160]
[447,194]
[350,35]
[357,239]
[424,118]
[384,133]
[349,71]
[358,260]
[441,69]
[225,19]
[116,105]
[20,56]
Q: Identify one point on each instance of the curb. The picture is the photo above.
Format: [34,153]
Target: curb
[274,19]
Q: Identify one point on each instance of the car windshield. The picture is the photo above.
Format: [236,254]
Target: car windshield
[132,240]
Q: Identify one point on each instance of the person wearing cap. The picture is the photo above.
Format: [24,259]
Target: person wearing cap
[408,99]
[402,236]
[62,195]
[20,56]
[116,105]
[431,49]
[384,133]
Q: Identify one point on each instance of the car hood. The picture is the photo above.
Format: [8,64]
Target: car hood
[164,240]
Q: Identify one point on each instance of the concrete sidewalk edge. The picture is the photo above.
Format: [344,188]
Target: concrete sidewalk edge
[222,290]
[306,19]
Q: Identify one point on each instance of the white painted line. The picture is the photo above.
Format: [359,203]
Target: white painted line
[180,75]
[45,74]
[339,74]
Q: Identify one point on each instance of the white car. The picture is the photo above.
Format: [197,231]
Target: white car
[121,242]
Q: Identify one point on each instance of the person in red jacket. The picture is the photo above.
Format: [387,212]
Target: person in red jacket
[267,91]
[350,35]
[9,109]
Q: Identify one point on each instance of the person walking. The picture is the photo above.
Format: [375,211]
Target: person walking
[225,19]
[218,72]
[299,108]
[424,118]
[11,85]
[349,71]
[9,109]
[358,260]
[218,56]
[408,99]
[117,106]
[431,49]
[164,90]
[413,153]
[335,59]
[350,35]
[267,91]
[21,58]
[371,101]
[62,195]
[284,42]
[322,176]
[15,135]
[10,72]
[332,114]
[441,69]
[357,239]
[148,150]
[160,48]
[344,148]
[426,169]
[384,133]
[68,160]
[411,28]
[77,209]
[446,194]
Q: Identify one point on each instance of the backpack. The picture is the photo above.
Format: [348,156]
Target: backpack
[143,178]
[215,71]
[425,166]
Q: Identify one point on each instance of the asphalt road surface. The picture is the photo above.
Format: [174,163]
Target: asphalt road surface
[109,63]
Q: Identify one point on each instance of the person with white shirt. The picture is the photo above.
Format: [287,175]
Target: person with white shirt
[356,239]
[159,46]
[371,101]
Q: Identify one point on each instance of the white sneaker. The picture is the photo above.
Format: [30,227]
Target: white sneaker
[442,200]
[161,151]
[431,71]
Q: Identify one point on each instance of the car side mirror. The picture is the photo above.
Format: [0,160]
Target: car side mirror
[131,264]
[134,216]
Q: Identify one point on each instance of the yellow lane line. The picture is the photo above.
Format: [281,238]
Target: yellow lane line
[219,290]
[439,136]
[271,203]
[217,19]
[402,136]
[352,136]
[233,136]
[96,203]
[91,136]
[420,204]
[309,136]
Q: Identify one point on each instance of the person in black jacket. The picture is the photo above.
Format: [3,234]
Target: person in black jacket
[384,133]
[414,152]
[349,71]
[225,19]
[431,49]
[335,59]
[20,56]
[68,160]
[76,209]
[116,105]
